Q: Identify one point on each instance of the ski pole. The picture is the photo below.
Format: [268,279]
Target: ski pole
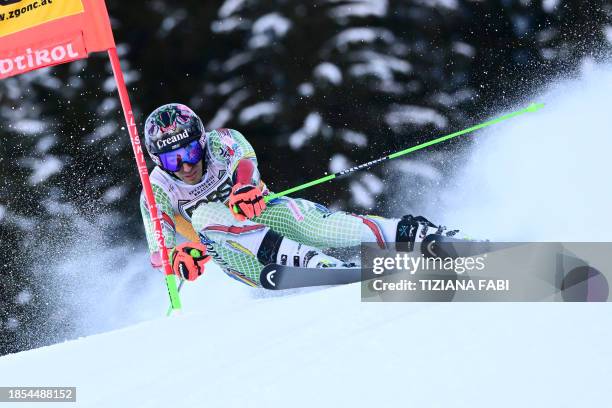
[178,290]
[531,108]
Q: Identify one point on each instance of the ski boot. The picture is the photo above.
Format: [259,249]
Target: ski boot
[412,230]
[421,235]
[293,253]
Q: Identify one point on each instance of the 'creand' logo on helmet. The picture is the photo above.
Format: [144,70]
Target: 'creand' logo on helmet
[172,139]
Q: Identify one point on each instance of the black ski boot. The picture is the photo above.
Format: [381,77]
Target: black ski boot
[412,230]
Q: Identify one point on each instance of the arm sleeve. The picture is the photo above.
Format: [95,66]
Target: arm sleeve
[164,206]
[245,150]
[245,172]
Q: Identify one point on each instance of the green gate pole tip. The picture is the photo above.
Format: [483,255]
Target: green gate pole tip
[175,300]
[534,107]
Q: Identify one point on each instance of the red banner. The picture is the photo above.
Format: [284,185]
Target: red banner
[41,33]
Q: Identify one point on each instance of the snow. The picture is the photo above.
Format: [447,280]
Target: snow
[45,143]
[608,33]
[237,61]
[102,132]
[230,7]
[464,49]
[449,4]
[229,86]
[45,78]
[221,118]
[227,25]
[520,25]
[360,8]
[107,105]
[328,72]
[12,88]
[453,99]
[24,223]
[55,207]
[29,126]
[355,138]
[306,89]
[130,76]
[269,28]
[330,349]
[45,168]
[272,22]
[380,66]
[361,35]
[400,116]
[546,35]
[23,297]
[550,5]
[257,111]
[12,323]
[114,193]
[419,168]
[360,195]
[373,183]
[532,178]
[171,21]
[226,111]
[236,346]
[312,125]
[339,162]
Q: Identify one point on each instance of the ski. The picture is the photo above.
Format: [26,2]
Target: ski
[280,277]
[435,245]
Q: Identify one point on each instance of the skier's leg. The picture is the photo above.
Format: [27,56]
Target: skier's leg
[242,248]
[313,224]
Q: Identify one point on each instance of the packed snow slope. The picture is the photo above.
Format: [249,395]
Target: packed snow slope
[326,349]
[239,347]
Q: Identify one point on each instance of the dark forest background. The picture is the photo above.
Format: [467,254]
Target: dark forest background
[315,86]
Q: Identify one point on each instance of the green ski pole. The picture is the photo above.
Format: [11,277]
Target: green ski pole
[178,290]
[534,107]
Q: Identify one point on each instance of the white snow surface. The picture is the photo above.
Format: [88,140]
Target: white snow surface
[325,348]
[541,176]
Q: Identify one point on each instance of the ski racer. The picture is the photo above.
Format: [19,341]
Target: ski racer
[200,177]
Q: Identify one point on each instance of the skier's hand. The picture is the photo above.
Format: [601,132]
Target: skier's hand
[188,260]
[249,200]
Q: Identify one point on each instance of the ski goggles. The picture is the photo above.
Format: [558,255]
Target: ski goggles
[173,161]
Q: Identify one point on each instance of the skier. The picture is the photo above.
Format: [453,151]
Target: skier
[200,177]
